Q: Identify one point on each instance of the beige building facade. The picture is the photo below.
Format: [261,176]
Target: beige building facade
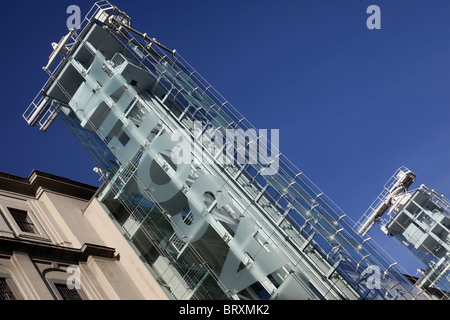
[57,243]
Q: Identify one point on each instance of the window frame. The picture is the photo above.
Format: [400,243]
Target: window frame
[26,223]
[12,286]
[40,233]
[53,285]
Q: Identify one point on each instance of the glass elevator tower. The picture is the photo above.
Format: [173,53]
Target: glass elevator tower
[207,201]
[420,220]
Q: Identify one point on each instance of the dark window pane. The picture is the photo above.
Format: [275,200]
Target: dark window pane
[22,220]
[66,293]
[5,291]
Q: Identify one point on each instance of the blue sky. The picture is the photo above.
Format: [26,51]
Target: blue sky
[352,104]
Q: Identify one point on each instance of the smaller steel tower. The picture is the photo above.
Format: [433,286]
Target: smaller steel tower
[420,220]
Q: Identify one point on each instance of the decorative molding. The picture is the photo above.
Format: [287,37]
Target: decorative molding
[40,181]
[45,251]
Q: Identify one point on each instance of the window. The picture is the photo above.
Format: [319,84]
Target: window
[5,290]
[23,220]
[66,293]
